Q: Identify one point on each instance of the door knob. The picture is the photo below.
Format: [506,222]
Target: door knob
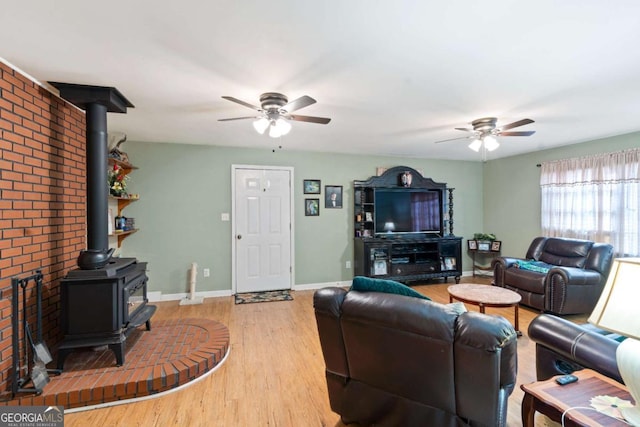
[239,237]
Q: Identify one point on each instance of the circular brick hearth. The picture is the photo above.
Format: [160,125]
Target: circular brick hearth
[172,354]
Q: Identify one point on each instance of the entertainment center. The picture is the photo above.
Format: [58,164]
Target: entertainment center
[404,228]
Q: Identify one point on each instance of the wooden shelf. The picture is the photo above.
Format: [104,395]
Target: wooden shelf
[123,235]
[123,165]
[123,202]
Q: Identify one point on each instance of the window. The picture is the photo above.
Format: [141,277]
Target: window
[595,198]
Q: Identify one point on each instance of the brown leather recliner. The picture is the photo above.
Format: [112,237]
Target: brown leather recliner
[395,360]
[574,282]
[563,347]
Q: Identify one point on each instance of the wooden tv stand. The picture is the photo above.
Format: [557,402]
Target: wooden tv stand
[409,259]
[404,256]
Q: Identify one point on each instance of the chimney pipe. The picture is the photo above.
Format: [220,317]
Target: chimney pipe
[97,101]
[97,188]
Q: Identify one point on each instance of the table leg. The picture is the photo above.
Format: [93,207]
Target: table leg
[527,410]
[516,322]
[481,307]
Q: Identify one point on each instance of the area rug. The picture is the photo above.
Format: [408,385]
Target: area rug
[249,297]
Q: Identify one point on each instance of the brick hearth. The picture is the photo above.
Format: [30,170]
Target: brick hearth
[172,354]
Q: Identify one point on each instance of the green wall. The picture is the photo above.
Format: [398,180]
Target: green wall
[512,189]
[185,188]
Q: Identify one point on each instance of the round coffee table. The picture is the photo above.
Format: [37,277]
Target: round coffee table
[486,296]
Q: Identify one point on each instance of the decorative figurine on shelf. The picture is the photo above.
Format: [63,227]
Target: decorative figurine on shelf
[115,140]
[406,179]
[117,181]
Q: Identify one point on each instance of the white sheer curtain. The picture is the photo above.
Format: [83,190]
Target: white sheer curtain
[595,198]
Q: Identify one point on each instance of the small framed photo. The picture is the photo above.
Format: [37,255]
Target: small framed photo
[333,196]
[311,186]
[368,216]
[449,263]
[484,246]
[472,245]
[311,207]
[380,267]
[495,246]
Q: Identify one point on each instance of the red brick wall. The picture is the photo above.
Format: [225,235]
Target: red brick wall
[42,203]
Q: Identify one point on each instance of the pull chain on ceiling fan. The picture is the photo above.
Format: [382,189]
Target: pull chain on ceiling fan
[275,112]
[485,132]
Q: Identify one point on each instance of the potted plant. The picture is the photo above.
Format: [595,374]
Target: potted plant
[117,181]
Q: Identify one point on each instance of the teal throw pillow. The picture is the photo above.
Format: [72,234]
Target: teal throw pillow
[367,284]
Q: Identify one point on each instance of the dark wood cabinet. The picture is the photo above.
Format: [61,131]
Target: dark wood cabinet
[409,259]
[390,242]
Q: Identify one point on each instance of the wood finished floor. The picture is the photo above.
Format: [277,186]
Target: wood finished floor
[274,375]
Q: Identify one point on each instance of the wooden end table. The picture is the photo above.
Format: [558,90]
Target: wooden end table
[486,296]
[551,399]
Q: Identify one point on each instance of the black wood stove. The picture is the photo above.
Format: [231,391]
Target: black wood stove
[105,298]
[102,306]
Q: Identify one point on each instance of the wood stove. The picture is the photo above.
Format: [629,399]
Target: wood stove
[103,306]
[106,298]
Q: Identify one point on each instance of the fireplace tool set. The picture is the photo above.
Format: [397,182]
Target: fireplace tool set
[30,367]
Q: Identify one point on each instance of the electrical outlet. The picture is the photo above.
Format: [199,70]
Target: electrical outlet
[347,264]
[224,216]
[206,272]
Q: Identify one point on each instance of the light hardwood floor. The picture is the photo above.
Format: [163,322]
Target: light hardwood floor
[274,375]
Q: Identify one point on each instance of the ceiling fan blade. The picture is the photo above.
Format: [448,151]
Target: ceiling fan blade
[464,129]
[241,102]
[452,139]
[239,118]
[310,119]
[516,124]
[296,104]
[518,133]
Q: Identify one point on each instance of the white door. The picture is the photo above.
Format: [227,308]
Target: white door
[262,226]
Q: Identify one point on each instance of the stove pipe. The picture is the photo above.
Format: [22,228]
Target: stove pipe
[97,188]
[97,101]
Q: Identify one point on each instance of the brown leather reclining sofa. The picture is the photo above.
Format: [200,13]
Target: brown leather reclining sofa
[577,272]
[394,360]
[563,347]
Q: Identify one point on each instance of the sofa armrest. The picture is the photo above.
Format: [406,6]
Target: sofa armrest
[327,303]
[571,290]
[506,262]
[563,346]
[499,265]
[573,276]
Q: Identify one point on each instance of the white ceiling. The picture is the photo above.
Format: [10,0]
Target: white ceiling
[394,76]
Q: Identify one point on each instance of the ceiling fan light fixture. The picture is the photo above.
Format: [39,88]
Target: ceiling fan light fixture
[279,127]
[491,143]
[261,125]
[475,145]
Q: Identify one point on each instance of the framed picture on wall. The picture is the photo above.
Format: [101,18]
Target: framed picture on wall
[311,207]
[333,196]
[311,186]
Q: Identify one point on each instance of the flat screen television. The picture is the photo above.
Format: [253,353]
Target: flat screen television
[416,211]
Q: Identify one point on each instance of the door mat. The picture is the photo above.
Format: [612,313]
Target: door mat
[249,297]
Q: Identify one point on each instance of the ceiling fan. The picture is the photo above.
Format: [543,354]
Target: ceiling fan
[275,112]
[485,131]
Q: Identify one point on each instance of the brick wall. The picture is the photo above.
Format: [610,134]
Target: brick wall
[42,203]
